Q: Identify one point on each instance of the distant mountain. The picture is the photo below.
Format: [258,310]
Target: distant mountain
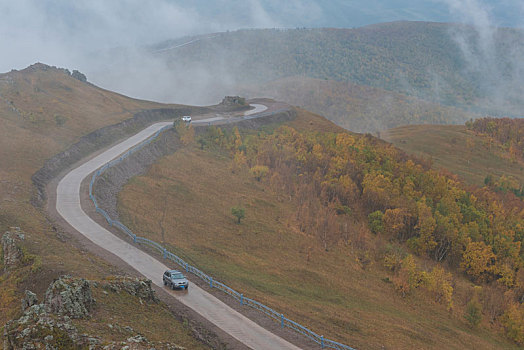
[358,108]
[343,13]
[456,65]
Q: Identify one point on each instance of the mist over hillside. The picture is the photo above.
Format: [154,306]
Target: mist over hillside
[478,69]
[356,107]
[453,64]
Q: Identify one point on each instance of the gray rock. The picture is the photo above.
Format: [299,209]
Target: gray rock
[79,76]
[139,287]
[70,297]
[13,254]
[233,101]
[49,338]
[137,339]
[29,300]
[49,325]
[27,331]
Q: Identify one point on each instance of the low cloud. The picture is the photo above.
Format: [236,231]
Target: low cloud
[494,56]
[106,39]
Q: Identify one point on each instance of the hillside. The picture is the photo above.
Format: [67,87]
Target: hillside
[338,234]
[456,65]
[43,111]
[471,156]
[358,108]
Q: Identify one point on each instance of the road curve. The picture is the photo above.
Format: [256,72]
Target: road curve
[217,312]
[258,109]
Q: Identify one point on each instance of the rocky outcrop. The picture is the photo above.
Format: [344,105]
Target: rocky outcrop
[29,300]
[233,101]
[69,296]
[139,287]
[12,252]
[37,329]
[79,76]
[49,325]
[231,104]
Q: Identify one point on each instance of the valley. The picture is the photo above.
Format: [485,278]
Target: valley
[268,257]
[318,186]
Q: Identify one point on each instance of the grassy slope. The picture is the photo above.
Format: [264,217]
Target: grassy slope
[456,149]
[268,258]
[29,134]
[356,107]
[151,320]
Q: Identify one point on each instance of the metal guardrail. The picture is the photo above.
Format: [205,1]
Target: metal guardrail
[284,322]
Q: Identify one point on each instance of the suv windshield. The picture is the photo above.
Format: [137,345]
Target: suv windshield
[177,276]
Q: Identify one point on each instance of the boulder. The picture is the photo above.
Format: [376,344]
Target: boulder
[69,296]
[29,300]
[13,254]
[37,329]
[79,76]
[233,101]
[139,287]
[49,325]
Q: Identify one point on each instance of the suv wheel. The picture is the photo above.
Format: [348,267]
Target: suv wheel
[172,286]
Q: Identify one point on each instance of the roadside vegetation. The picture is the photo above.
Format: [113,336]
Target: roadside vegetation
[344,233]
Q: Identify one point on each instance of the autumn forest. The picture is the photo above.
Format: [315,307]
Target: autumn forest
[425,226]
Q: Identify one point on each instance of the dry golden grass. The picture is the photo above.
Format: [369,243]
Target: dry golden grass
[456,149]
[268,259]
[30,135]
[151,320]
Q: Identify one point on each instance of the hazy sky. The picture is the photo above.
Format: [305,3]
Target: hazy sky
[56,31]
[65,33]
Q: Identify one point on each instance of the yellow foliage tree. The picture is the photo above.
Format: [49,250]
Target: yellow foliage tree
[439,283]
[238,138]
[396,223]
[239,162]
[259,171]
[478,261]
[425,242]
[513,322]
[187,133]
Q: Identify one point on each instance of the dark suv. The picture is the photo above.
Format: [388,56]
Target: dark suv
[175,279]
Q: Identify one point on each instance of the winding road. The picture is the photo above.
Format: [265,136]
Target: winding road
[214,310]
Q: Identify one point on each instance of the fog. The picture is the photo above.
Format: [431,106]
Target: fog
[498,59]
[112,41]
[89,35]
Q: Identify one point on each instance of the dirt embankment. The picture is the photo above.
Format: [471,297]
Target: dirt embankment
[110,183]
[101,138]
[113,179]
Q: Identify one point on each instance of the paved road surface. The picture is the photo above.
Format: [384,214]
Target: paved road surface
[68,206]
[258,109]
